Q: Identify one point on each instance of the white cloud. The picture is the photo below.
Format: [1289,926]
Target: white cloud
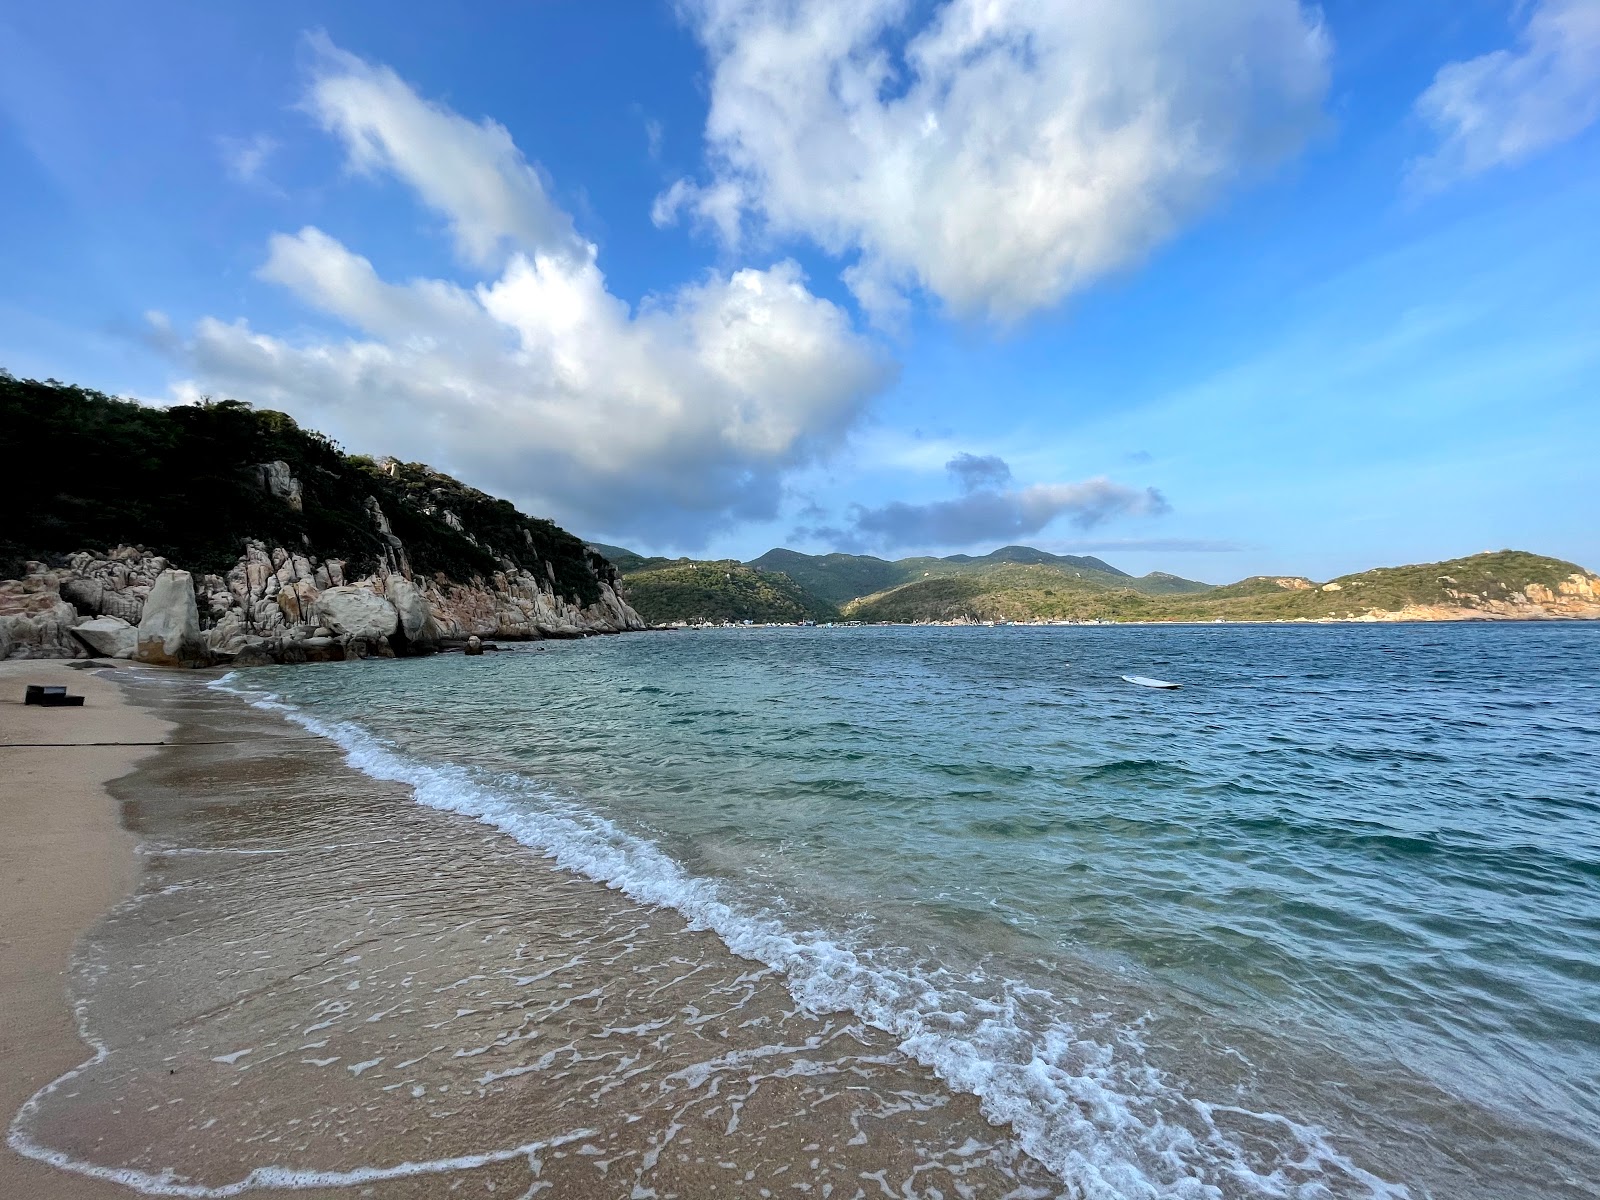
[666,421]
[1011,151]
[1504,107]
[246,157]
[470,171]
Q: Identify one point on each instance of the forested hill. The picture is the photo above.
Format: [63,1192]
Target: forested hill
[840,578]
[1019,583]
[86,471]
[1503,584]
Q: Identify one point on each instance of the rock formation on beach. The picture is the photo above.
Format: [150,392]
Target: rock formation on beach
[190,546]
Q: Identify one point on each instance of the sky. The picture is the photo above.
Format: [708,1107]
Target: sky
[1247,287]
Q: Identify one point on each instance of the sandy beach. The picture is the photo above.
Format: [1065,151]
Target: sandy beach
[64,859]
[313,983]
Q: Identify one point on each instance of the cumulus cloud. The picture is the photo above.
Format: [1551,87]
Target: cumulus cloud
[999,154]
[665,421]
[1504,107]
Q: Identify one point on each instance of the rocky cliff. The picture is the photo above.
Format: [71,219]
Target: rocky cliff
[169,536]
[273,606]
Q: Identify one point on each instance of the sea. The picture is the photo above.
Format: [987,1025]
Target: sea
[1323,922]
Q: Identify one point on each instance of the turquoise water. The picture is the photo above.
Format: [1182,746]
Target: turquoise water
[1324,922]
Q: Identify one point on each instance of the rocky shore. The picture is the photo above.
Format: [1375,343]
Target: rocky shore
[275,606]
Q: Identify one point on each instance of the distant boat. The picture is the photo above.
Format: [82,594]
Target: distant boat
[1146,681]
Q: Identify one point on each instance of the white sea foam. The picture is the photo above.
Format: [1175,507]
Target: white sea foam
[1092,1113]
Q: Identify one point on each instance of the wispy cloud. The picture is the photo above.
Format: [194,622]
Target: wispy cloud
[246,158]
[1501,108]
[976,473]
[988,510]
[1154,545]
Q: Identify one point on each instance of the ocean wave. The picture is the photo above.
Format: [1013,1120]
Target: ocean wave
[1110,1125]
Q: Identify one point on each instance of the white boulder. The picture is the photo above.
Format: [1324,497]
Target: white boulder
[169,629]
[356,612]
[111,636]
[416,622]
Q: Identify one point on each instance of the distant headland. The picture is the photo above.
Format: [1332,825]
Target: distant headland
[1023,585]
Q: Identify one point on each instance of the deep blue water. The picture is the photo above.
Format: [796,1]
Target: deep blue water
[1326,918]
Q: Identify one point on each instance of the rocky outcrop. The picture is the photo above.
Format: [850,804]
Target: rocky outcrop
[273,605]
[1576,597]
[358,613]
[279,482]
[417,628]
[109,637]
[169,630]
[35,622]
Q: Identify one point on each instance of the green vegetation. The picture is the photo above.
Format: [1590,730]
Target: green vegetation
[86,471]
[841,578]
[1040,592]
[1018,583]
[686,590]
[833,578]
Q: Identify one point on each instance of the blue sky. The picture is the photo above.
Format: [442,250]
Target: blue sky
[1261,288]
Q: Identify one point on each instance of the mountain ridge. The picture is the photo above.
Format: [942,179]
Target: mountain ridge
[1021,583]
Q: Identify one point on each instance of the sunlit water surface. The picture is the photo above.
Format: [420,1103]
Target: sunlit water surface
[1324,922]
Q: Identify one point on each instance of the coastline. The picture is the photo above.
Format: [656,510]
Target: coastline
[65,858]
[319,984]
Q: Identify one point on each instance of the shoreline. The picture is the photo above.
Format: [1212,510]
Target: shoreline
[65,860]
[282,892]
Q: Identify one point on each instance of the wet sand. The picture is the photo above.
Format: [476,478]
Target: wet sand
[64,859]
[320,985]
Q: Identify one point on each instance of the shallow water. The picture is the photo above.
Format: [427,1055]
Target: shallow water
[1326,922]
[1347,879]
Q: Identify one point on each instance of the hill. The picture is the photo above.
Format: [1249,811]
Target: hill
[262,518]
[841,578]
[833,578]
[1503,584]
[725,590]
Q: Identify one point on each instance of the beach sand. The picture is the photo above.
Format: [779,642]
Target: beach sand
[64,859]
[318,984]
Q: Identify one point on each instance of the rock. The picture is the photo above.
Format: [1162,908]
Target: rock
[169,631]
[253,656]
[277,481]
[85,595]
[416,622]
[323,649]
[474,645]
[229,634]
[298,602]
[110,636]
[43,631]
[355,612]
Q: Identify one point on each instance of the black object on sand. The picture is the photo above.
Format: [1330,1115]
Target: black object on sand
[51,697]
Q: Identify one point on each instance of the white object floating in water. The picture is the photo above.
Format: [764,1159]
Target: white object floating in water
[1146,681]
